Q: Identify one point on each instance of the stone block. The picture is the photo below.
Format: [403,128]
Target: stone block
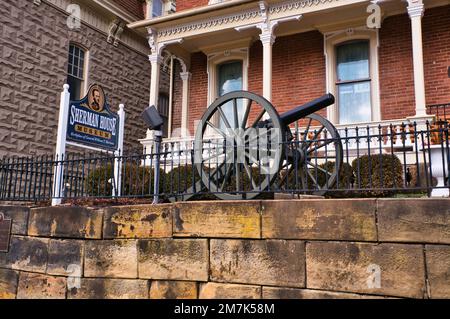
[19,216]
[65,257]
[173,259]
[98,288]
[138,221]
[8,283]
[225,219]
[110,258]
[320,219]
[261,262]
[414,220]
[27,254]
[213,290]
[173,290]
[438,268]
[37,286]
[380,269]
[65,222]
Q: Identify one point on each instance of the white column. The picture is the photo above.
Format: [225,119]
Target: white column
[185,77]
[117,189]
[58,182]
[415,11]
[267,39]
[155,60]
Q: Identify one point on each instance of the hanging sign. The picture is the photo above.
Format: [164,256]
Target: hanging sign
[5,233]
[91,122]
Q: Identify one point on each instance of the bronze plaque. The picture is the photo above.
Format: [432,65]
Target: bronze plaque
[5,233]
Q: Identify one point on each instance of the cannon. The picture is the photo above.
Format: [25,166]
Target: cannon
[243,147]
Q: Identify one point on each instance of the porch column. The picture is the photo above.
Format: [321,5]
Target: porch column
[267,38]
[415,11]
[185,77]
[155,60]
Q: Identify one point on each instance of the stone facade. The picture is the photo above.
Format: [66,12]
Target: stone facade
[34,44]
[372,248]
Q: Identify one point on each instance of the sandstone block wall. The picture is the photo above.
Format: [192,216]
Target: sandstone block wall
[356,248]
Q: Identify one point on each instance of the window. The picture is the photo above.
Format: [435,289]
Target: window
[157,8]
[75,72]
[352,75]
[353,83]
[163,109]
[229,78]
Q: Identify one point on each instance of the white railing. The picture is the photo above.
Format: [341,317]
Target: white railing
[389,135]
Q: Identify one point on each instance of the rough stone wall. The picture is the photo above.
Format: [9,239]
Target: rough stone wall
[34,44]
[245,249]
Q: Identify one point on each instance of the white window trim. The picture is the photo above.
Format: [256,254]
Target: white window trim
[214,59]
[331,39]
[85,85]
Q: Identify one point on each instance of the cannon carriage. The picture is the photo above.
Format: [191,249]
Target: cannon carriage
[243,147]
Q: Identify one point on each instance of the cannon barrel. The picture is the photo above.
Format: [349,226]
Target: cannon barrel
[306,109]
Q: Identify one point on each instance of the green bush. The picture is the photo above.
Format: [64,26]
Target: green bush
[137,180]
[345,177]
[377,171]
[180,180]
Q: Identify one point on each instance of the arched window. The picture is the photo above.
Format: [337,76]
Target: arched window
[76,71]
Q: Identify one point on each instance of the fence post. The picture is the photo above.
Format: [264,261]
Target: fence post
[58,185]
[117,189]
[158,139]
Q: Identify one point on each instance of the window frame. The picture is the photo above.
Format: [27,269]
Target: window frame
[331,41]
[84,79]
[355,81]
[217,58]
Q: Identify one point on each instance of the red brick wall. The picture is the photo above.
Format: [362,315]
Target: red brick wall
[189,4]
[436,51]
[198,89]
[299,68]
[298,73]
[396,68]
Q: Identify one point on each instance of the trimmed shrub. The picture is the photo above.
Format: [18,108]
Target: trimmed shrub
[182,178]
[379,172]
[345,177]
[137,180]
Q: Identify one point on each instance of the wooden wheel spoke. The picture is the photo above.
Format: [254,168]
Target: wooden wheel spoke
[320,146]
[307,129]
[309,142]
[320,168]
[246,114]
[215,128]
[217,155]
[313,179]
[224,118]
[235,114]
[227,176]
[258,118]
[249,174]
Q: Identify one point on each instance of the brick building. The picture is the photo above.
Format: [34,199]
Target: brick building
[42,47]
[381,71]
[288,51]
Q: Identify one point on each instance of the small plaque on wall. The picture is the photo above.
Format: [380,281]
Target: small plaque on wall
[5,233]
[448,71]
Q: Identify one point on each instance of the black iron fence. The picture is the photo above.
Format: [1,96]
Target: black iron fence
[360,161]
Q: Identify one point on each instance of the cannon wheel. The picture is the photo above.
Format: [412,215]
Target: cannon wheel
[319,142]
[220,173]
